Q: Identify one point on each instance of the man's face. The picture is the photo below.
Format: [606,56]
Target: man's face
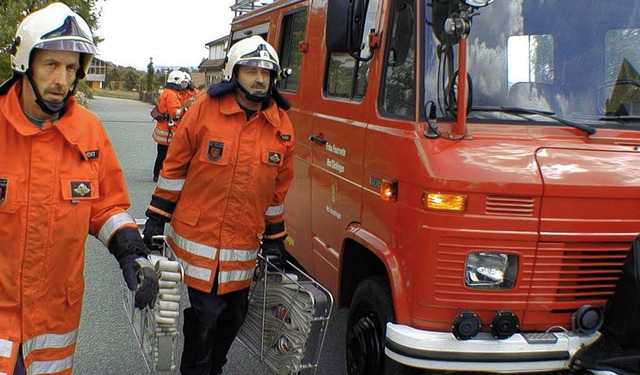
[54,72]
[255,80]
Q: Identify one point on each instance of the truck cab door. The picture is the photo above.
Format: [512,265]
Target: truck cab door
[338,129]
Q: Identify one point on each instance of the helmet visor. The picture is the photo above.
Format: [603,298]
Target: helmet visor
[259,64]
[68,45]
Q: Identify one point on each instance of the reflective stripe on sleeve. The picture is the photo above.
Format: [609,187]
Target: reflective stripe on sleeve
[113,224]
[238,275]
[5,348]
[275,210]
[171,185]
[50,367]
[191,247]
[228,255]
[49,341]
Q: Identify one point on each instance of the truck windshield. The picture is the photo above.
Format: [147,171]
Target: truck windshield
[576,59]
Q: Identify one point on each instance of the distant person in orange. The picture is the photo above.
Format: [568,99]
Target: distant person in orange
[60,180]
[189,94]
[170,104]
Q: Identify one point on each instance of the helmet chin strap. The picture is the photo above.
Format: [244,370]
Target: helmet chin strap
[49,107]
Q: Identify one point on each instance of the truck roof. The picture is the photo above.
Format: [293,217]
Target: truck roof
[244,6]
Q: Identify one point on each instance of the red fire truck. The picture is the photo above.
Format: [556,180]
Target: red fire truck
[467,177]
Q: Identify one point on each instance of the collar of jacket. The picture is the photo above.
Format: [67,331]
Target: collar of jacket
[229,106]
[70,125]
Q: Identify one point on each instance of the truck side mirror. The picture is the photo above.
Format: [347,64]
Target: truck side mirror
[345,25]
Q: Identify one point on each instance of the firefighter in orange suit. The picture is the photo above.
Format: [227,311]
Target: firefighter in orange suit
[189,94]
[221,191]
[59,181]
[170,104]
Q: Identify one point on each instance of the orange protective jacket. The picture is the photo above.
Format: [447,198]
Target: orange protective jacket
[56,186]
[169,103]
[188,96]
[228,177]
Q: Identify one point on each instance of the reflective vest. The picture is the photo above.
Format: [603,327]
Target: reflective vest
[56,186]
[229,177]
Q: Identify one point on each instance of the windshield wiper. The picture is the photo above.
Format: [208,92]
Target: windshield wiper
[547,114]
[621,118]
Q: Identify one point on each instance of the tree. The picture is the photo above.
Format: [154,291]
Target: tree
[132,79]
[150,76]
[114,77]
[13,11]
[161,79]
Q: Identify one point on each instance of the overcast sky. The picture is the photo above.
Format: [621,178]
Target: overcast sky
[173,32]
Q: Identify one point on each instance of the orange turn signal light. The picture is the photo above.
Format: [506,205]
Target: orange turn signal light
[444,202]
[388,190]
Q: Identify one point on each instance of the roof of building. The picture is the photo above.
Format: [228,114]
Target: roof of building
[211,64]
[198,79]
[220,40]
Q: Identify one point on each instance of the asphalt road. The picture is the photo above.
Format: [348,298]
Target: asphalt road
[106,343]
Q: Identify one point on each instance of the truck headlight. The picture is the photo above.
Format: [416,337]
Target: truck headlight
[487,270]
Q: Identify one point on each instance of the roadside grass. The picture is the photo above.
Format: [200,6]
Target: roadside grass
[118,94]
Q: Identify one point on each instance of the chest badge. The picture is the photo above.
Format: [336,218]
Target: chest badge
[3,190]
[284,137]
[215,150]
[81,189]
[274,158]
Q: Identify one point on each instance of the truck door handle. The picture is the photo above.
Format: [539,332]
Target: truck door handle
[319,139]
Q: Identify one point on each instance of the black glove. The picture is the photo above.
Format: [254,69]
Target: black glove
[274,252]
[153,227]
[128,248]
[140,277]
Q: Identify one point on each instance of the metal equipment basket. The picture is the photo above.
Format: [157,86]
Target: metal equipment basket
[157,329]
[287,319]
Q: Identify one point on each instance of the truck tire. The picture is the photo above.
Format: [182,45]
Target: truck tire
[371,309]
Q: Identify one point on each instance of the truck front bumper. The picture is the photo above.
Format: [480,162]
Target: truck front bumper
[442,351]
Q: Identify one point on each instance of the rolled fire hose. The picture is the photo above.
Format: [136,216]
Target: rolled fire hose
[163,319]
[287,321]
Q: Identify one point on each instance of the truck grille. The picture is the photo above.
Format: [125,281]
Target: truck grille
[555,277]
[567,275]
[510,206]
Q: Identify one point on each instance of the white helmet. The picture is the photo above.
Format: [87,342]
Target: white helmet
[187,77]
[55,27]
[175,77]
[252,51]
